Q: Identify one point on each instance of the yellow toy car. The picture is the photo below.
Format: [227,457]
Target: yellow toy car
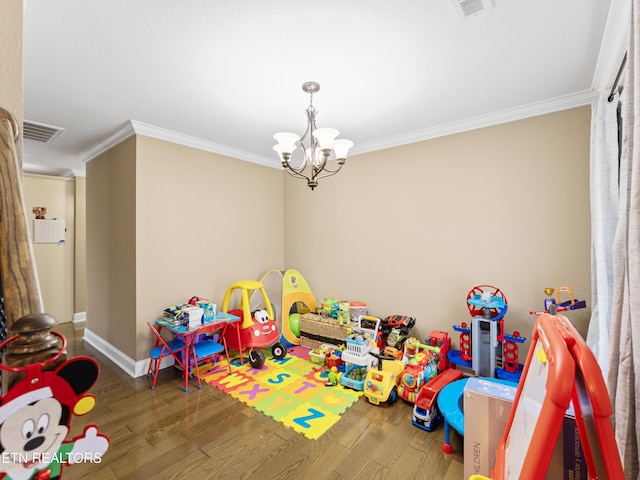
[381,383]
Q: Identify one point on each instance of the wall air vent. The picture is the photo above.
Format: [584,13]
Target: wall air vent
[470,8]
[40,132]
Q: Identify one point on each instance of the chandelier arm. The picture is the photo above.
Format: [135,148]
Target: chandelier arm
[296,172]
[322,167]
[326,173]
[298,175]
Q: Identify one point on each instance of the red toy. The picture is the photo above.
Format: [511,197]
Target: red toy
[256,329]
[421,366]
[425,411]
[440,339]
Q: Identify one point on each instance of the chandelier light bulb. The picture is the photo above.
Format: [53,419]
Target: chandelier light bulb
[287,141]
[325,137]
[341,148]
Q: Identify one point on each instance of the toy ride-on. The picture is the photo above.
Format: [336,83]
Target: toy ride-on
[381,383]
[255,330]
[421,362]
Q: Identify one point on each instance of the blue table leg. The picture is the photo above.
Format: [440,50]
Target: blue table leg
[446,446]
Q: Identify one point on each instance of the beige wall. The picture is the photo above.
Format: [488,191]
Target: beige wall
[407,230]
[61,268]
[166,222]
[111,236]
[55,263]
[411,230]
[80,284]
[11,77]
[204,221]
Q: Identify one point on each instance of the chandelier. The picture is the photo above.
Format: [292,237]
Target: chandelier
[312,165]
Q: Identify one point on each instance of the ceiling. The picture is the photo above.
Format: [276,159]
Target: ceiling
[226,75]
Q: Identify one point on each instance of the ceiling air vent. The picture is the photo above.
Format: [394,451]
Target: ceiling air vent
[39,131]
[470,8]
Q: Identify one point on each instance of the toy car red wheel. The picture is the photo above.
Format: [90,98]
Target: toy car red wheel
[256,358]
[279,351]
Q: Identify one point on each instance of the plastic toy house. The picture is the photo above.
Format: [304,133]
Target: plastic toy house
[290,295]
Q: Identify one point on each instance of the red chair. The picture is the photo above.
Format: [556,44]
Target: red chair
[163,349]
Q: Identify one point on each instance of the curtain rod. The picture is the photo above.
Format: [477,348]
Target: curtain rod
[615,83]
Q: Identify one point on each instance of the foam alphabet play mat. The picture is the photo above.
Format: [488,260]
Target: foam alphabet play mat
[291,390]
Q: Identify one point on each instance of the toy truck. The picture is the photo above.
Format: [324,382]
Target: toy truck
[426,414]
[381,383]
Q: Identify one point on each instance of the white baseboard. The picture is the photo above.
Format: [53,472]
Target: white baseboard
[79,317]
[133,368]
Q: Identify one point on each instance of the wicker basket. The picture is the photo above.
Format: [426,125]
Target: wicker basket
[316,330]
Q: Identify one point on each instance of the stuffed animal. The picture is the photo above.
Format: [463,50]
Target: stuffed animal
[343,313]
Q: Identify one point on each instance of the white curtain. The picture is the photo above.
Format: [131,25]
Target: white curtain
[623,375]
[604,218]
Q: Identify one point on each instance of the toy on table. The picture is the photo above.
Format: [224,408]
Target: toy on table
[426,414]
[292,297]
[421,365]
[482,344]
[381,383]
[357,356]
[558,306]
[256,329]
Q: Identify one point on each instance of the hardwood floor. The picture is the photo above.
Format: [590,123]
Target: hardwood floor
[202,434]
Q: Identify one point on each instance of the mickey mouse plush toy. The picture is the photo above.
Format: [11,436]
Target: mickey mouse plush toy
[35,419]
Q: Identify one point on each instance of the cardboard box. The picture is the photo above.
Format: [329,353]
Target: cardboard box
[486,409]
[487,405]
[192,316]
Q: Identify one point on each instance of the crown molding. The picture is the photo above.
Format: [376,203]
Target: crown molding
[133,127]
[73,172]
[613,46]
[557,104]
[120,135]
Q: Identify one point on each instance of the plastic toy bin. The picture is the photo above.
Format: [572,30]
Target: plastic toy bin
[357,348]
[356,309]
